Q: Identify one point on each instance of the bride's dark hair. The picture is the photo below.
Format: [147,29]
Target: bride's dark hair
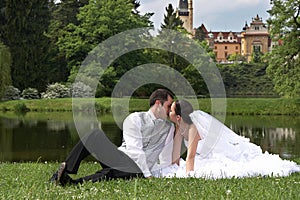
[183,108]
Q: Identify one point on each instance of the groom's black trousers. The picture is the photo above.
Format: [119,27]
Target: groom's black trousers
[115,163]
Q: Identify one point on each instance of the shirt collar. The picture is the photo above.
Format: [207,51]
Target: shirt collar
[151,114]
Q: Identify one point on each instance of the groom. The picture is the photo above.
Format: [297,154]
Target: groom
[147,139]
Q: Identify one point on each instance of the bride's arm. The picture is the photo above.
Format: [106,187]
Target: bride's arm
[176,147]
[191,152]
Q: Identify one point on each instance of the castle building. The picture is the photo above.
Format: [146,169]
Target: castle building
[185,13]
[224,44]
[253,38]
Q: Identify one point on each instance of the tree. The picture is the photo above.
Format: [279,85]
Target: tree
[284,60]
[5,64]
[25,24]
[2,19]
[171,20]
[98,21]
[62,13]
[236,58]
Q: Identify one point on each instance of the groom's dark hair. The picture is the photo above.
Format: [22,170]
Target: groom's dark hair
[161,95]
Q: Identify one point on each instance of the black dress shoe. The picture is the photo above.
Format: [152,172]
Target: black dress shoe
[61,177]
[61,173]
[53,179]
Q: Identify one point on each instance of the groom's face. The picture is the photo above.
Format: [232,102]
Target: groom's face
[166,107]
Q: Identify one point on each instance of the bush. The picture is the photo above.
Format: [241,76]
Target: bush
[21,108]
[30,93]
[11,93]
[56,90]
[80,89]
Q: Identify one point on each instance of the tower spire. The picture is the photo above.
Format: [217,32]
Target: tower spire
[185,13]
[190,7]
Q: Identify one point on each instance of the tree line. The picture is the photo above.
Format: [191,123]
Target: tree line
[45,41]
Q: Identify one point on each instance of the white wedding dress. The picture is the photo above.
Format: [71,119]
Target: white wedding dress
[221,153]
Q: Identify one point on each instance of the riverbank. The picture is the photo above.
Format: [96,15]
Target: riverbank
[234,106]
[30,181]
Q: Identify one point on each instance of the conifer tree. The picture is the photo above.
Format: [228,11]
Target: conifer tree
[24,33]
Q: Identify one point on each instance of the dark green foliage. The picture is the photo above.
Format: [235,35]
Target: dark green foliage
[246,80]
[5,65]
[21,108]
[97,21]
[171,20]
[23,33]
[62,14]
[284,60]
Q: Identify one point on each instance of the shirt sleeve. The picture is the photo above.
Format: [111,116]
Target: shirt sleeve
[134,142]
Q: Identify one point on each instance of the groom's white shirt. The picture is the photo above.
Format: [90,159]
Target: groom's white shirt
[147,143]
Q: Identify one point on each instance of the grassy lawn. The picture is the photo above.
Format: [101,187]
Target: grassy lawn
[234,106]
[30,181]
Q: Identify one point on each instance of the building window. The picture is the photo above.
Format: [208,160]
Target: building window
[236,47]
[225,47]
[256,27]
[257,48]
[226,54]
[216,47]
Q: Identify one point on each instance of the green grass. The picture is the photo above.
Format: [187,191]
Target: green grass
[234,106]
[30,181]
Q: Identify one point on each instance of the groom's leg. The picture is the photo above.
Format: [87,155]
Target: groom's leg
[115,163]
[108,153]
[107,174]
[78,153]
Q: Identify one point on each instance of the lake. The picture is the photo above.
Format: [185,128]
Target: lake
[50,136]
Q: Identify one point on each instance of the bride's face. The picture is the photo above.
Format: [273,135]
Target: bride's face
[172,115]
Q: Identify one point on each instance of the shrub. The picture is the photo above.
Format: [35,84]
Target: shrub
[80,89]
[11,93]
[56,90]
[21,108]
[30,93]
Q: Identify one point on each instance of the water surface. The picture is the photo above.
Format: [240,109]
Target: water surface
[51,136]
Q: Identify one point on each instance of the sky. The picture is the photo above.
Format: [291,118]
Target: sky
[216,15]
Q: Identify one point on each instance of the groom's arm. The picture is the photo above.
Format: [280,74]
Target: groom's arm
[134,142]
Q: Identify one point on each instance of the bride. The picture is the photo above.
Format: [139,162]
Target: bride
[229,155]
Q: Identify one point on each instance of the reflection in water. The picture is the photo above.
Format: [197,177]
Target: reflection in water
[30,138]
[277,135]
[282,134]
[54,125]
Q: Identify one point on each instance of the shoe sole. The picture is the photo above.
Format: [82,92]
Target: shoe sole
[60,172]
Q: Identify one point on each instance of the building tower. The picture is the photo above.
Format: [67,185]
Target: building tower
[255,38]
[185,13]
